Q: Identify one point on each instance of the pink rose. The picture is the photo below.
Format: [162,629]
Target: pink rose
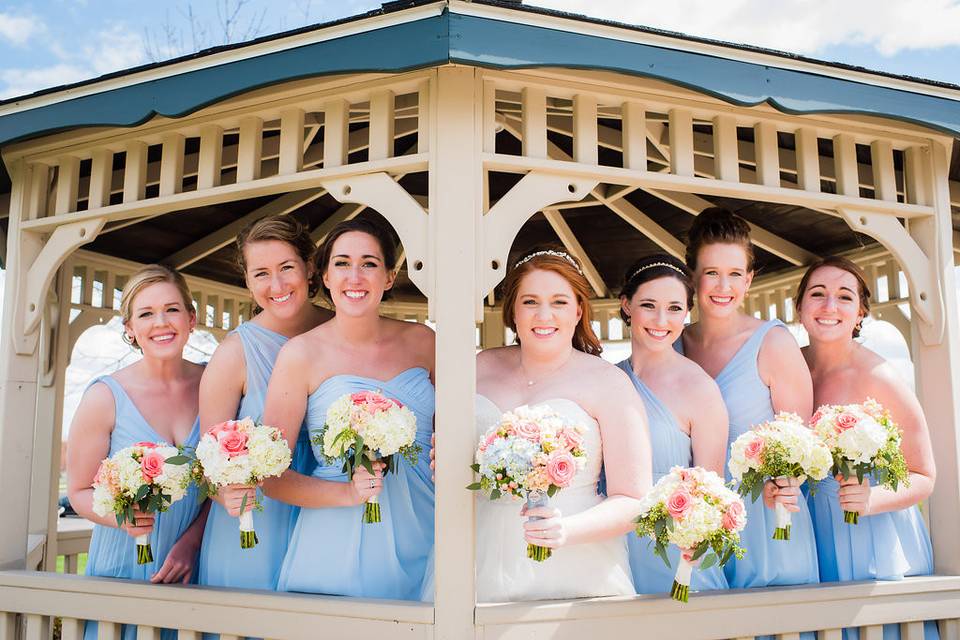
[679,504]
[817,416]
[233,443]
[373,402]
[146,445]
[223,427]
[734,517]
[846,421]
[753,449]
[528,430]
[151,465]
[573,437]
[561,467]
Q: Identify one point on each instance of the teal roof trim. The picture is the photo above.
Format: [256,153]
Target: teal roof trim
[489,43]
[507,45]
[393,49]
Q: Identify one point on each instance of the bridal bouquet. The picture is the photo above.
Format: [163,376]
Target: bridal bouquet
[240,452]
[781,448]
[693,509]
[366,426]
[531,453]
[147,476]
[863,440]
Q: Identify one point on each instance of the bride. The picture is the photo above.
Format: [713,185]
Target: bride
[557,364]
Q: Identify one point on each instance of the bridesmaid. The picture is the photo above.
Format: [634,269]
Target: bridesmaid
[760,371]
[891,539]
[274,255]
[152,400]
[331,550]
[686,429]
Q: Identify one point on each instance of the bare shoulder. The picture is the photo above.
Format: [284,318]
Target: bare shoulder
[599,372]
[879,378]
[99,398]
[417,332]
[299,350]
[228,353]
[695,382]
[779,337]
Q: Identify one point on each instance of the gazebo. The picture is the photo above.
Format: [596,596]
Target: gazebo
[476,129]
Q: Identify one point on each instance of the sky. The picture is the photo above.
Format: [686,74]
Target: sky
[45,43]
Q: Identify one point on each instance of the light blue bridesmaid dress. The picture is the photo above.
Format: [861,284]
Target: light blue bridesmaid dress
[332,551]
[767,562]
[112,552]
[885,546]
[670,447]
[222,562]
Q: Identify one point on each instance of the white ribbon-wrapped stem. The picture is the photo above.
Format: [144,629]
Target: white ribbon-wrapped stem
[246,521]
[143,539]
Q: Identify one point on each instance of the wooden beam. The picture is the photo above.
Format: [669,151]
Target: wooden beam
[764,239]
[569,240]
[647,226]
[223,236]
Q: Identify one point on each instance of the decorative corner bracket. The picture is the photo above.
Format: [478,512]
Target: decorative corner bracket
[380,192]
[926,297]
[504,219]
[32,290]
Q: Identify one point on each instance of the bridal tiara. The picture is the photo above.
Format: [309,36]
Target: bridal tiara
[550,252]
[657,264]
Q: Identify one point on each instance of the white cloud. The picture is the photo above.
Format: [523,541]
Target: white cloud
[112,49]
[800,26]
[18,30]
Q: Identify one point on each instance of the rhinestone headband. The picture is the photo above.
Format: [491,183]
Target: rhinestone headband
[656,264]
[550,252]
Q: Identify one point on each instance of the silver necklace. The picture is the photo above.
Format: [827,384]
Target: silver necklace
[531,381]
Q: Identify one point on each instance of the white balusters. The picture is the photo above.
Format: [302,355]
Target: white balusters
[634,136]
[917,189]
[845,165]
[250,149]
[681,142]
[381,125]
[101,177]
[884,178]
[585,129]
[39,192]
[767,151]
[725,153]
[291,141]
[171,164]
[534,122]
[71,629]
[808,159]
[336,133]
[68,182]
[211,156]
[135,172]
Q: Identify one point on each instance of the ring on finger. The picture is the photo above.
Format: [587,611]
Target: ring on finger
[372,483]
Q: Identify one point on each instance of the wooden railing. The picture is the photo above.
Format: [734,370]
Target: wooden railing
[31,601]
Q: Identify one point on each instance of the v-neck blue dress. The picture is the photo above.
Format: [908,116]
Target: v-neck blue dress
[112,552]
[222,562]
[331,550]
[669,447]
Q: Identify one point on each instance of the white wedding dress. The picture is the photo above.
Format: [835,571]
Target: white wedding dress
[504,573]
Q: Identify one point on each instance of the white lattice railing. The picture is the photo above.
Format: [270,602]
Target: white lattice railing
[30,602]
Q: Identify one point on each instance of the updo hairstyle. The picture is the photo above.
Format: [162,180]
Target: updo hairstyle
[658,265]
[718,226]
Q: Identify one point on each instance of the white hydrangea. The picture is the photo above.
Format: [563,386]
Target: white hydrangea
[386,430]
[121,476]
[698,525]
[863,442]
[801,446]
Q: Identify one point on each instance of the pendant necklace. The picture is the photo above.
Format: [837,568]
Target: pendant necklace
[531,381]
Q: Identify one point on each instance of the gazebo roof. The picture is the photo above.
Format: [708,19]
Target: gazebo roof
[403,36]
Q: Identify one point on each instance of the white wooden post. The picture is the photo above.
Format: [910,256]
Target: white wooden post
[454,216]
[937,368]
[45,483]
[18,384]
